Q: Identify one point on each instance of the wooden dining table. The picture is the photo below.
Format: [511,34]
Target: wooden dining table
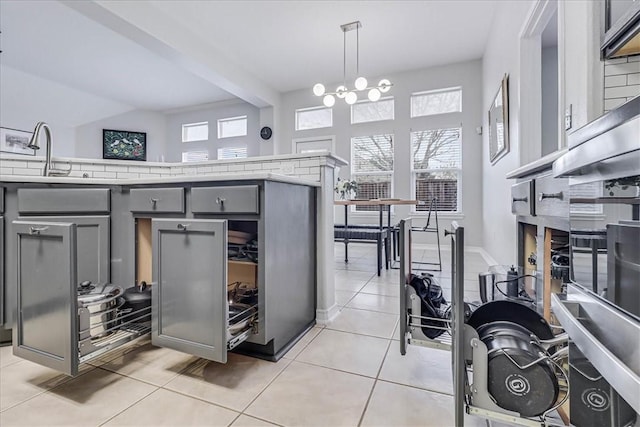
[381,203]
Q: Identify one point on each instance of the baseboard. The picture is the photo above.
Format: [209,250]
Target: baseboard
[324,317]
[487,257]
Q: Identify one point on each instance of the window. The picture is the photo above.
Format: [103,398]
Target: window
[590,190]
[232,153]
[367,111]
[372,167]
[195,156]
[314,145]
[314,118]
[233,126]
[436,102]
[195,132]
[437,166]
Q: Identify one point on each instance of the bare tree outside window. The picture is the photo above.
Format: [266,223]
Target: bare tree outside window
[372,167]
[437,162]
[368,111]
[436,102]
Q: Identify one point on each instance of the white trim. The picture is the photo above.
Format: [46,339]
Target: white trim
[294,141]
[487,257]
[324,317]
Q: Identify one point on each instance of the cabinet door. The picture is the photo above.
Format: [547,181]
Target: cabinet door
[2,252]
[46,329]
[92,241]
[189,297]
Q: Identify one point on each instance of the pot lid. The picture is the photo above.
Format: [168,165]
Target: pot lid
[89,293]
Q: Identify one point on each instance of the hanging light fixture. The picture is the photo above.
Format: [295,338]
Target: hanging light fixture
[361,84]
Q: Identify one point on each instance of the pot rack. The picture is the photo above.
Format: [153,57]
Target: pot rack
[470,356]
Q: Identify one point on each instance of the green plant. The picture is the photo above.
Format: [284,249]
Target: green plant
[623,183]
[344,187]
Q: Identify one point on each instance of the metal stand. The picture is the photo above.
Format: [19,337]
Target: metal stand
[469,355]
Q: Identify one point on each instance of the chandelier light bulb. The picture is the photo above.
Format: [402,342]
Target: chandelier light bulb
[318,89]
[341,91]
[374,95]
[328,101]
[384,85]
[361,83]
[351,98]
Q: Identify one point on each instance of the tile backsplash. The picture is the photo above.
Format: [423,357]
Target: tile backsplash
[307,167]
[621,81]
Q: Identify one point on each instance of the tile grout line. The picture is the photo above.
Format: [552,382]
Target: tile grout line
[375,382]
[130,406]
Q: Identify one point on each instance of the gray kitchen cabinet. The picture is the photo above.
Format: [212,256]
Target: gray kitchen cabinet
[2,252]
[93,243]
[189,302]
[46,290]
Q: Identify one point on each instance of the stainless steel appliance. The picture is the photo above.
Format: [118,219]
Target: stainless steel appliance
[601,310]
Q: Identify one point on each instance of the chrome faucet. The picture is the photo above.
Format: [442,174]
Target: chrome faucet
[34,143]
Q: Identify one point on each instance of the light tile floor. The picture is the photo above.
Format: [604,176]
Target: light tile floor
[347,373]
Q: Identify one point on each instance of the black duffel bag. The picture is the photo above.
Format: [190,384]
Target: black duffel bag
[433,305]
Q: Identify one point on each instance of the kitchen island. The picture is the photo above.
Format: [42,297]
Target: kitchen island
[176,234]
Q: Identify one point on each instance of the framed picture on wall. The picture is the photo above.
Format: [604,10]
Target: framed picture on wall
[124,145]
[16,141]
[499,122]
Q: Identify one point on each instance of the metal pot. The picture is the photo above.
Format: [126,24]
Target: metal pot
[97,309]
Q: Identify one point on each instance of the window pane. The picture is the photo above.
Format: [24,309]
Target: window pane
[443,186]
[195,156]
[372,187]
[436,149]
[436,102]
[232,153]
[234,126]
[314,118]
[372,153]
[195,132]
[372,111]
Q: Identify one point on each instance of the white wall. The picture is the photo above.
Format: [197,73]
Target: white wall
[88,137]
[502,56]
[467,75]
[211,114]
[27,99]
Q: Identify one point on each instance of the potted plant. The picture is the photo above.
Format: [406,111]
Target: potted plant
[623,187]
[346,189]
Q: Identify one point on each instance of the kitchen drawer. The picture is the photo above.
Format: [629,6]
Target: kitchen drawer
[157,200]
[63,200]
[1,200]
[522,202]
[552,196]
[231,199]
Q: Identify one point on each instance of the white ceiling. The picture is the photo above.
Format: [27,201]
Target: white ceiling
[289,45]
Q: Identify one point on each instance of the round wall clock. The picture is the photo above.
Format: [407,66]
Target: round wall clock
[266,132]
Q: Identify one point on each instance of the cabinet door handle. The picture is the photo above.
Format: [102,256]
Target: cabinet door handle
[37,230]
[183,227]
[519,199]
[220,200]
[153,201]
[543,196]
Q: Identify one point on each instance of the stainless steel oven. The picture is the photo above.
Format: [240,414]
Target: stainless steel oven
[601,308]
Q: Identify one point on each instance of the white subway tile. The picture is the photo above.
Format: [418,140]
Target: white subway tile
[220,168]
[310,162]
[204,169]
[315,170]
[176,170]
[621,92]
[91,167]
[25,171]
[615,61]
[115,168]
[159,169]
[6,171]
[152,175]
[105,175]
[127,175]
[18,164]
[138,169]
[633,79]
[613,81]
[257,166]
[635,58]
[236,168]
[272,166]
[301,171]
[610,104]
[35,165]
[80,174]
[626,68]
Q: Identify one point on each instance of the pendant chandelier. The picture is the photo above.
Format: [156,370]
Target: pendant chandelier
[361,84]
